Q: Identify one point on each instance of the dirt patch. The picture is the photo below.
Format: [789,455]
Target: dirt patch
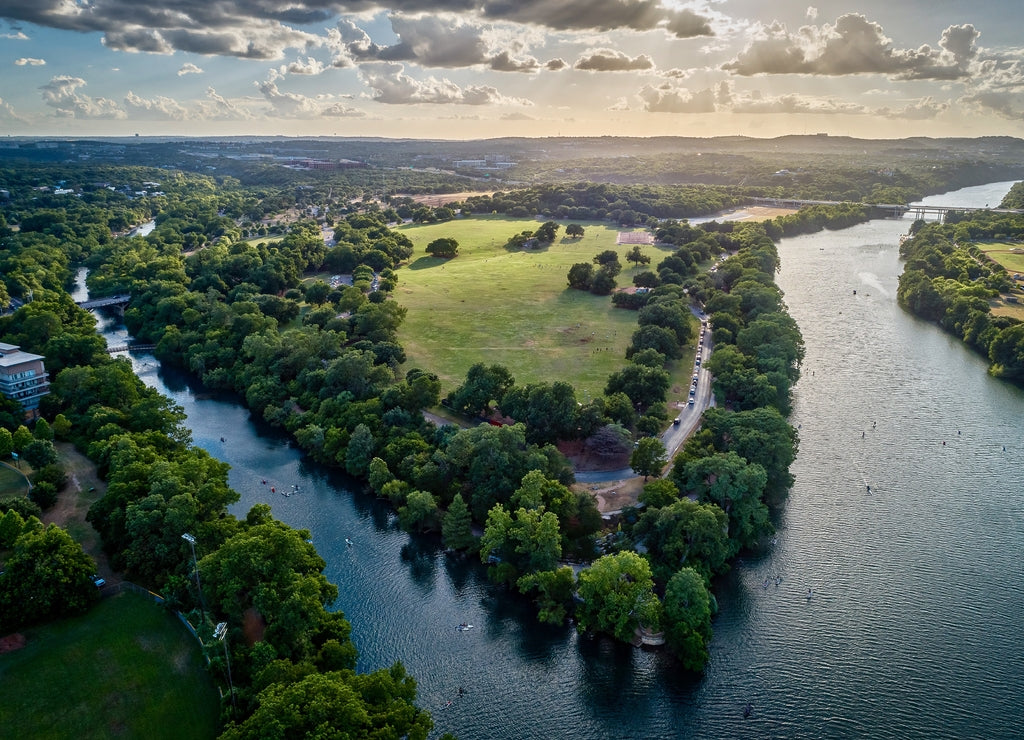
[10,643]
[84,488]
[587,462]
[614,495]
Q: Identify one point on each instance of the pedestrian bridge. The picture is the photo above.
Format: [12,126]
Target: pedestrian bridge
[113,300]
[896,210]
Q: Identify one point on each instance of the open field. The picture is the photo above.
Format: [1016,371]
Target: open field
[128,668]
[513,308]
[1009,255]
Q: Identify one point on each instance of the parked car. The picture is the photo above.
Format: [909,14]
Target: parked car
[97,581]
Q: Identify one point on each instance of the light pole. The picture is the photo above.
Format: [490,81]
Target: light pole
[221,632]
[195,566]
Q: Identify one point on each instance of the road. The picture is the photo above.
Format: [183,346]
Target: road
[689,416]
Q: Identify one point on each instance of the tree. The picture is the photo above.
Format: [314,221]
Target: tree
[444,247]
[420,511]
[317,292]
[22,438]
[637,257]
[360,451]
[6,443]
[581,275]
[546,232]
[43,430]
[684,532]
[39,453]
[617,595]
[609,260]
[554,590]
[337,704]
[734,484]
[275,571]
[456,529]
[45,577]
[603,282]
[574,230]
[527,541]
[643,385]
[483,384]
[659,493]
[687,620]
[649,457]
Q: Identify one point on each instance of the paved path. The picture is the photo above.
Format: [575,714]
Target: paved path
[689,418]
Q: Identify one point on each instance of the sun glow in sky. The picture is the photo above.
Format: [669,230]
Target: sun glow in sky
[484,68]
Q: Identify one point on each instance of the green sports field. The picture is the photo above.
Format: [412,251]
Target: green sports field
[513,308]
[128,668]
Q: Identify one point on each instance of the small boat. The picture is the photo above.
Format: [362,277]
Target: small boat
[349,542]
[464,627]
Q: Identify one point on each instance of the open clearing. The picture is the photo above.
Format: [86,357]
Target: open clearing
[514,308]
[1011,256]
[128,668]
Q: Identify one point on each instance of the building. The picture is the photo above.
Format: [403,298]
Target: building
[23,377]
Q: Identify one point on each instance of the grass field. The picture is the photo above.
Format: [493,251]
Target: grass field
[12,482]
[514,307]
[127,668]
[1010,256]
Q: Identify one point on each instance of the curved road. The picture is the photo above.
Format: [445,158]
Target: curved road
[689,417]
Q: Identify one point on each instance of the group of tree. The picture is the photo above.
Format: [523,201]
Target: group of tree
[329,376]
[947,279]
[204,310]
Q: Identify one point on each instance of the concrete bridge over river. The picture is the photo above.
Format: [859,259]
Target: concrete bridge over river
[896,210]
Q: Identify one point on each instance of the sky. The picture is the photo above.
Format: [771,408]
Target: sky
[473,69]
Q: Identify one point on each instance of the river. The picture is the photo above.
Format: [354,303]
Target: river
[913,628]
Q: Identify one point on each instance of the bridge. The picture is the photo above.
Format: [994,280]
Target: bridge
[896,210]
[113,300]
[130,348]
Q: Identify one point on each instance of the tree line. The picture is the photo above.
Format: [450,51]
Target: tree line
[948,280]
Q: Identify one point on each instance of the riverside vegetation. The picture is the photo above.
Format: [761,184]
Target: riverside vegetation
[325,364]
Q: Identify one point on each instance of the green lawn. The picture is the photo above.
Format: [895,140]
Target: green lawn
[11,481]
[513,308]
[128,668]
[1010,256]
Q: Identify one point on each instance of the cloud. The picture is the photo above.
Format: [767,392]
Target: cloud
[556,64]
[392,86]
[812,12]
[602,15]
[61,94]
[668,99]
[921,110]
[310,66]
[160,107]
[8,113]
[217,107]
[189,69]
[610,60]
[852,46]
[516,116]
[19,36]
[339,110]
[504,62]
[288,105]
[30,61]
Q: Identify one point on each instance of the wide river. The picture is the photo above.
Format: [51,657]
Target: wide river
[915,626]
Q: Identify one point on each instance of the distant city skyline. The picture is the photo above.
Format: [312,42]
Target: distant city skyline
[470,69]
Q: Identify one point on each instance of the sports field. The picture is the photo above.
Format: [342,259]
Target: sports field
[1010,256]
[128,668]
[514,308]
